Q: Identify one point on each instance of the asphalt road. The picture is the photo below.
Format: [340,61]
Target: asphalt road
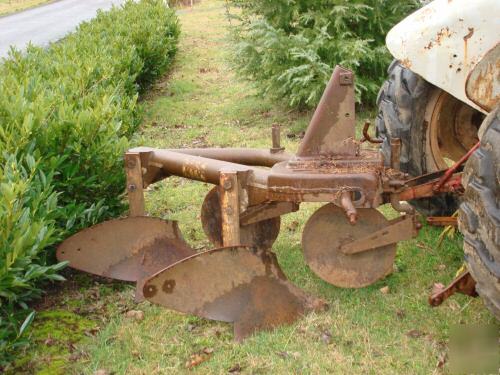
[47,23]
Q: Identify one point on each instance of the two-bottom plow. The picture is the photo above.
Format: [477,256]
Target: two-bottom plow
[347,242]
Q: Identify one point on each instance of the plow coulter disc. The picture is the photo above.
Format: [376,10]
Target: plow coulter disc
[242,285]
[328,229]
[130,249]
[261,234]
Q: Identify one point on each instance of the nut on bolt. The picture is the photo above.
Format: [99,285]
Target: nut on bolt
[348,206]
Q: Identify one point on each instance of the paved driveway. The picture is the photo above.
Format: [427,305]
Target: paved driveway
[47,23]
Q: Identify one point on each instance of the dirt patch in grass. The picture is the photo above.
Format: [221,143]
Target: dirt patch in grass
[382,329]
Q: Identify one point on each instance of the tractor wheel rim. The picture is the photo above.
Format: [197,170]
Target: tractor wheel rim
[452,128]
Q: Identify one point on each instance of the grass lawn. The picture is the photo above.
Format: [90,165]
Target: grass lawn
[83,326]
[11,6]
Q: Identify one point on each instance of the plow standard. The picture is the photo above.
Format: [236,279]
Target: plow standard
[347,242]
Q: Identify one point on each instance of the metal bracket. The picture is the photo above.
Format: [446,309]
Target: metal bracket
[463,284]
[442,221]
[428,189]
[267,211]
[135,183]
[230,207]
[400,229]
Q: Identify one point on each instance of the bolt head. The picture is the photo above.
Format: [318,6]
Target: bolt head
[131,164]
[227,185]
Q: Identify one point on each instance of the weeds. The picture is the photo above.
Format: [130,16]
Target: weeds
[66,115]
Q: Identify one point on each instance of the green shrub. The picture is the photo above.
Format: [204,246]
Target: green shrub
[289,47]
[66,114]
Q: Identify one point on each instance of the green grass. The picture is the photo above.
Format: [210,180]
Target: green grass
[203,103]
[12,6]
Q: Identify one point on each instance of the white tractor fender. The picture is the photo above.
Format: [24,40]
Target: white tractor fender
[443,41]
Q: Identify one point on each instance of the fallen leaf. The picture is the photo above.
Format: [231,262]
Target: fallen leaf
[75,357]
[326,337]
[384,290]
[293,225]
[283,354]
[400,313]
[196,360]
[441,360]
[135,314]
[208,350]
[415,333]
[91,332]
[235,369]
[49,342]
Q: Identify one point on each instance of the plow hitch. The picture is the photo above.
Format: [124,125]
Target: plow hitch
[347,242]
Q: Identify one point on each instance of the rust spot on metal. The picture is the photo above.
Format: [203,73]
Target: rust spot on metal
[406,63]
[466,39]
[439,38]
[469,34]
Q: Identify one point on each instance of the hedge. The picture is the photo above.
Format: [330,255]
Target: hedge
[290,47]
[66,114]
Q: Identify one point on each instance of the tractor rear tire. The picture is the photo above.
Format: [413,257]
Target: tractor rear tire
[424,117]
[479,216]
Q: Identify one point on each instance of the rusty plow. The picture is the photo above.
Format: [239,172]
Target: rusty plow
[347,242]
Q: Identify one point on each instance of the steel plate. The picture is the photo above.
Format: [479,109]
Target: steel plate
[328,229]
[236,284]
[125,249]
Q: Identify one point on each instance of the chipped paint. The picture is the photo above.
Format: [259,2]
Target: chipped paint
[466,40]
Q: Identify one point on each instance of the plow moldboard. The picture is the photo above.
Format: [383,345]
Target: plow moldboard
[128,249]
[237,284]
